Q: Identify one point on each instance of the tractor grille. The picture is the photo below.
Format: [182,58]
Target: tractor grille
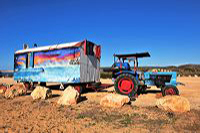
[165,78]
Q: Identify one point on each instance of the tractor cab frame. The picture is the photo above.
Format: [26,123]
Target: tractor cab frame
[122,63]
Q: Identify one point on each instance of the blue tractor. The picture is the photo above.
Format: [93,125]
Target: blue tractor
[129,81]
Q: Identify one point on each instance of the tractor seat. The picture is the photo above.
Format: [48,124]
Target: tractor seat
[120,65]
[126,65]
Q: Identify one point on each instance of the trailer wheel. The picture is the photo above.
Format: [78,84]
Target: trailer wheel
[126,84]
[79,88]
[27,85]
[169,90]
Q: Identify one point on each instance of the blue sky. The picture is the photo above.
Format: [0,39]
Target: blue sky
[168,29]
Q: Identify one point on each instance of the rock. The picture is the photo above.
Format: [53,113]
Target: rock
[16,90]
[70,96]
[3,89]
[41,92]
[173,104]
[114,100]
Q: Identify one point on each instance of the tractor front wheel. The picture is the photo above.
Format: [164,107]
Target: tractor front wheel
[169,90]
[126,84]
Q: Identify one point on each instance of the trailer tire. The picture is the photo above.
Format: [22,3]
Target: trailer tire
[169,90]
[79,88]
[27,85]
[126,84]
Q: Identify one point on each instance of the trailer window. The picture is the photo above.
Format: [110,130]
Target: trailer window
[20,62]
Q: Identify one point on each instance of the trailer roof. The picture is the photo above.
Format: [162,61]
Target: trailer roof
[136,55]
[51,47]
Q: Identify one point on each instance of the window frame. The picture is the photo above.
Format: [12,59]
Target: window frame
[15,59]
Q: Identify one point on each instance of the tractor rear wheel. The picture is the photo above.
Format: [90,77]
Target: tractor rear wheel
[169,90]
[126,84]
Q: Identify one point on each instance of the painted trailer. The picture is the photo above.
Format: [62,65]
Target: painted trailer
[75,63]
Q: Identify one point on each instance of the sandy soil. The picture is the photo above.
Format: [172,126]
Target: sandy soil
[22,114]
[7,80]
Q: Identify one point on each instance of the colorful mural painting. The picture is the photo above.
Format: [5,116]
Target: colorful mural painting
[20,62]
[61,65]
[70,56]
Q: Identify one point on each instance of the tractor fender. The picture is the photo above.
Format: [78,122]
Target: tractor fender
[125,72]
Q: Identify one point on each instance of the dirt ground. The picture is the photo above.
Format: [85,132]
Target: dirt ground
[22,114]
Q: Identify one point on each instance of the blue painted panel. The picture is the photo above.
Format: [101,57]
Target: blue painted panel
[69,74]
[150,82]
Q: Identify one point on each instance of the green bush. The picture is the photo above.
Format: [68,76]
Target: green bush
[183,70]
[106,75]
